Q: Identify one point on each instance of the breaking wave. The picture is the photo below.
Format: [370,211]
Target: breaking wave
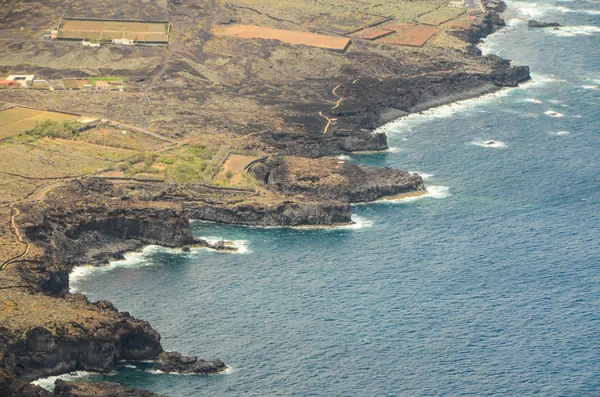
[572,31]
[48,382]
[532,100]
[560,133]
[553,113]
[425,176]
[492,144]
[537,10]
[433,191]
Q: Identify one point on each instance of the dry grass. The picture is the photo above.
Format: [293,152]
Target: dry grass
[55,159]
[112,137]
[84,149]
[14,188]
[20,311]
[441,15]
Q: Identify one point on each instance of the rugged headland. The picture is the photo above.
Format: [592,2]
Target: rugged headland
[212,127]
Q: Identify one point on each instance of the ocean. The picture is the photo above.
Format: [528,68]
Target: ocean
[490,285]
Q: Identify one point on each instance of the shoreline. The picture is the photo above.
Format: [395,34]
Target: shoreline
[469,95]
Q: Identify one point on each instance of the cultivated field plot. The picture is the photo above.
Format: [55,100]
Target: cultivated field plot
[324,16]
[233,171]
[405,11]
[414,37]
[371,34]
[441,15]
[286,36]
[112,29]
[396,26]
[17,120]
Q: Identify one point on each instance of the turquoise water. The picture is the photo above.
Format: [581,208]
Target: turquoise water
[489,287]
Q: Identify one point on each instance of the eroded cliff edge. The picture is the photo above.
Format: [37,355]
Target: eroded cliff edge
[45,330]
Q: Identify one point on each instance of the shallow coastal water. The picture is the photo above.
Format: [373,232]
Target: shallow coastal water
[490,285]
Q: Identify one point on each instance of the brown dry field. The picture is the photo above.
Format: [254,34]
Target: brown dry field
[415,37]
[17,120]
[286,36]
[371,34]
[396,26]
[235,163]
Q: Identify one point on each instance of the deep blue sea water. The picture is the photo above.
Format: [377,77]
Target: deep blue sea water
[491,286]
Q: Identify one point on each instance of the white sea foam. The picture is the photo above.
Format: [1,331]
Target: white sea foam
[406,123]
[537,10]
[532,9]
[344,157]
[553,113]
[560,133]
[394,149]
[572,31]
[82,273]
[532,100]
[444,111]
[423,175]
[541,79]
[490,144]
[138,259]
[590,87]
[48,383]
[438,192]
[228,371]
[358,223]
[570,10]
[433,191]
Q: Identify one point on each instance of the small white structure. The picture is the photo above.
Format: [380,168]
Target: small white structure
[23,80]
[123,41]
[456,4]
[90,44]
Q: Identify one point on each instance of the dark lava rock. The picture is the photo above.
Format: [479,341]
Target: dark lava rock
[175,362]
[537,24]
[101,389]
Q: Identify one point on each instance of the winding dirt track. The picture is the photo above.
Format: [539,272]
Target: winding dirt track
[14,212]
[337,104]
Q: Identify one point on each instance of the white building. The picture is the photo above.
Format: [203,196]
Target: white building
[123,41]
[90,44]
[24,80]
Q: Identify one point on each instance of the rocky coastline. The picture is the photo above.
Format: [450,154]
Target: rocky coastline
[92,221]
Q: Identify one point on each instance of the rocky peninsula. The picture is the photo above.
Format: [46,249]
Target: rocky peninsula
[166,151]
